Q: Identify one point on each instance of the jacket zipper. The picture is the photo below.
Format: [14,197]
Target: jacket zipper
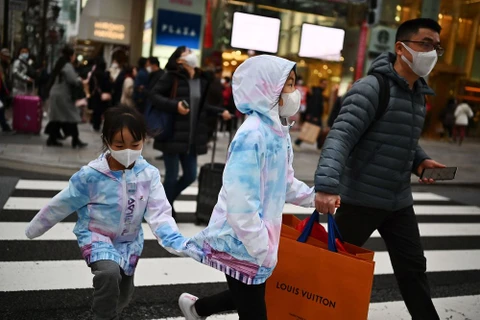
[124,203]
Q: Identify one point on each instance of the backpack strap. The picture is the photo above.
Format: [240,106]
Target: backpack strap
[383,96]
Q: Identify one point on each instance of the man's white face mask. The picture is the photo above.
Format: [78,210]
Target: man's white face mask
[422,62]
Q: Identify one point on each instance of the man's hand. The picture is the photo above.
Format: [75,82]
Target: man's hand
[226,115]
[181,109]
[428,164]
[326,203]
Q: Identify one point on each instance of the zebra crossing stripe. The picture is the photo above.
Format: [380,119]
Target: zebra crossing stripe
[33,203]
[57,274]
[24,184]
[64,230]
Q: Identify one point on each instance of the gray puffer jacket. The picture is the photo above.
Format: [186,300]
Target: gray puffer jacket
[372,167]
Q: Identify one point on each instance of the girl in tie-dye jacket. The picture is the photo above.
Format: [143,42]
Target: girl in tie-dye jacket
[112,195]
[243,234]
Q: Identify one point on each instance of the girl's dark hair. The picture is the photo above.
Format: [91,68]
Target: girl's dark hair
[120,117]
[172,64]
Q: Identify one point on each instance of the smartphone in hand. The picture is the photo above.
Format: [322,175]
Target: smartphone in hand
[185,104]
[447,173]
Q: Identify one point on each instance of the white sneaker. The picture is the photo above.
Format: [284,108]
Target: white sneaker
[186,302]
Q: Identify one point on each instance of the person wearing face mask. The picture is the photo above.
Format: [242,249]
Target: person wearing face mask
[243,235]
[155,72]
[20,72]
[188,138]
[368,161]
[117,77]
[112,196]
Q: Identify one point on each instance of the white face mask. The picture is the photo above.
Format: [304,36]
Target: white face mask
[114,65]
[149,69]
[291,104]
[423,62]
[191,59]
[126,157]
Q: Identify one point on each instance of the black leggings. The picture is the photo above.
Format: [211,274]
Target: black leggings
[248,300]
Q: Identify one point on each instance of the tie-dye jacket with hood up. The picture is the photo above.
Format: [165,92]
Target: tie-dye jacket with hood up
[243,234]
[111,206]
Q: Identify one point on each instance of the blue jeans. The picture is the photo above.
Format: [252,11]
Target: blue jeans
[172,184]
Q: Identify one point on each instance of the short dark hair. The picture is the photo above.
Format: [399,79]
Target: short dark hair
[142,62]
[172,61]
[154,60]
[227,79]
[121,117]
[411,27]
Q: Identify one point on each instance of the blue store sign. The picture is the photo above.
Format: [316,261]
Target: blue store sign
[178,29]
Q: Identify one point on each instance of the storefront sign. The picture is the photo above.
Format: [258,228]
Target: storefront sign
[108,30]
[178,29]
[188,6]
[382,39]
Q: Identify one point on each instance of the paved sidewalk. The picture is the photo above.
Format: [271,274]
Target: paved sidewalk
[29,152]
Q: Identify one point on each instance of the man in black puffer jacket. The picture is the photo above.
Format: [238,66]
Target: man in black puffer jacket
[368,163]
[183,81]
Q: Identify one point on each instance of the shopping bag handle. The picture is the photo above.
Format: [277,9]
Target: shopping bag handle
[333,232]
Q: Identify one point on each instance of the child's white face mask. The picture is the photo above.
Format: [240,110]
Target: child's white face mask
[126,157]
[291,104]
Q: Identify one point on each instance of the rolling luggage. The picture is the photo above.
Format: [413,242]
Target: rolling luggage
[27,114]
[209,184]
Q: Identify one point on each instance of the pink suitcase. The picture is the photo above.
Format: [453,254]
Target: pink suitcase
[27,114]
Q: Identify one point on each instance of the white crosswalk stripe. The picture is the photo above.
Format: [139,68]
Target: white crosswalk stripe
[451,234]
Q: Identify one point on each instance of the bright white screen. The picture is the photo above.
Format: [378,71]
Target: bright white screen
[255,32]
[321,42]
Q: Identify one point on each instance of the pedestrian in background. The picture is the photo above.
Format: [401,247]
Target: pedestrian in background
[447,116]
[314,113]
[141,85]
[63,113]
[22,77]
[4,92]
[243,234]
[183,82]
[100,88]
[128,87]
[154,72]
[117,76]
[112,195]
[463,113]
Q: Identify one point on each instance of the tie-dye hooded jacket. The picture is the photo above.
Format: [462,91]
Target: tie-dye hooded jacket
[243,234]
[111,206]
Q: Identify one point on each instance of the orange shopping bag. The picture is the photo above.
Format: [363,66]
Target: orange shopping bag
[313,282]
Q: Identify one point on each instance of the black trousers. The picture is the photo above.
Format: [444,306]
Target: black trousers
[399,230]
[248,300]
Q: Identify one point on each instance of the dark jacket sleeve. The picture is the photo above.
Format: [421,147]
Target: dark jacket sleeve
[159,95]
[420,156]
[357,113]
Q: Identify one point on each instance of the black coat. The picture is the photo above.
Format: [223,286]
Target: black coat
[182,139]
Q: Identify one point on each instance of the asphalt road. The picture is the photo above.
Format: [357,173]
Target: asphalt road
[159,301]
